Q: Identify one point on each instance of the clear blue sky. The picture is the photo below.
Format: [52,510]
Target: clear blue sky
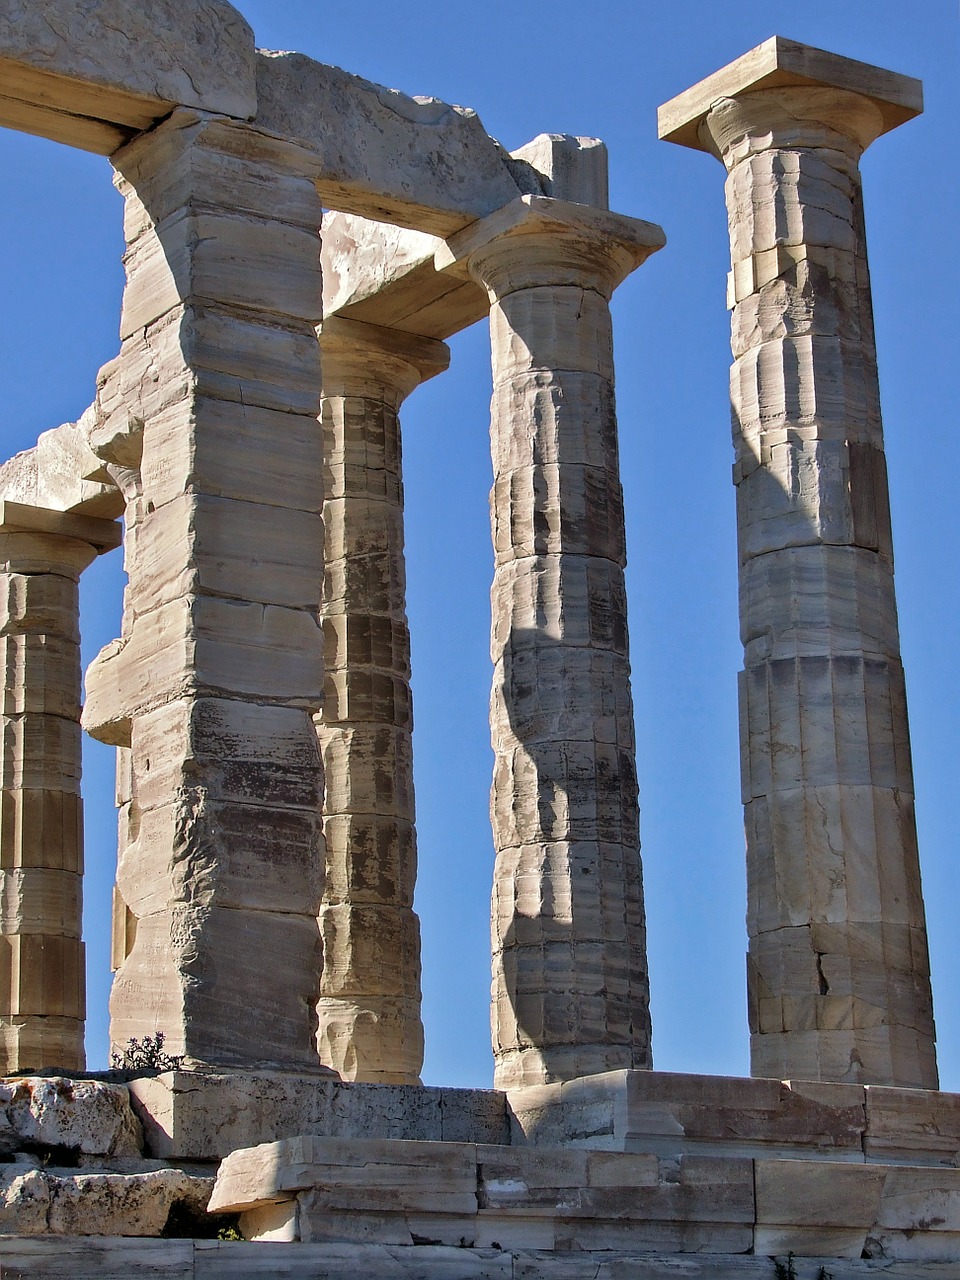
[528,67]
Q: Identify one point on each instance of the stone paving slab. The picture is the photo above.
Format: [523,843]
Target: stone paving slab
[117,1259]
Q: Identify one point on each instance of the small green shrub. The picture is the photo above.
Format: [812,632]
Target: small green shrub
[146,1055]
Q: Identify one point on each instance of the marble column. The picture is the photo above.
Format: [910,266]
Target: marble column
[838,974]
[369,1011]
[210,418]
[42,1004]
[570,989]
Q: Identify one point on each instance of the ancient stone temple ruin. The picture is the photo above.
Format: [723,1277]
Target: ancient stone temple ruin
[300,245]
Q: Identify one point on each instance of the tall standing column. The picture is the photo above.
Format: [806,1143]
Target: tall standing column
[369,1011]
[210,419]
[570,989]
[839,982]
[42,1005]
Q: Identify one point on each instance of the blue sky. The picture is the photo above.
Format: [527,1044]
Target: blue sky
[529,67]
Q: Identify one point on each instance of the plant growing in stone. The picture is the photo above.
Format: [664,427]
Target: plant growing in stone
[785,1270]
[146,1055]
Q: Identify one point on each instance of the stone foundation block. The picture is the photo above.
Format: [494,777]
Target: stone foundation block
[88,1117]
[194,1115]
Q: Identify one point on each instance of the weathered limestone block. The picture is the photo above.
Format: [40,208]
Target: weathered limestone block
[667,1114]
[568,168]
[419,162]
[61,472]
[115,1259]
[42,1202]
[387,275]
[475,1196]
[912,1126]
[42,554]
[570,986]
[818,1209]
[70,75]
[211,690]
[369,1010]
[565,1201]
[838,972]
[199,1115]
[88,1117]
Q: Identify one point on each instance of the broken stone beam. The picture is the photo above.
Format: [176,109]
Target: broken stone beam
[216,678]
[62,473]
[839,981]
[369,1011]
[570,989]
[42,554]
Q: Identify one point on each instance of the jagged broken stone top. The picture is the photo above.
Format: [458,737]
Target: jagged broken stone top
[415,108]
[779,63]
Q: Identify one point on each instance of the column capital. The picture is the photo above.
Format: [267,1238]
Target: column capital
[536,241]
[40,540]
[359,358]
[787,94]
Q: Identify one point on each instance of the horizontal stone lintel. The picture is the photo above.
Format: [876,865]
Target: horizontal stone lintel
[18,517]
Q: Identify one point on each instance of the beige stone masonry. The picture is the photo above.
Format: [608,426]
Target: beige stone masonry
[117,1259]
[325,1190]
[68,75]
[386,275]
[69,1204]
[839,983]
[89,1118]
[42,1003]
[369,1010]
[389,275]
[61,472]
[570,992]
[695,1176]
[204,1115]
[418,162]
[211,689]
[779,63]
[475,1196]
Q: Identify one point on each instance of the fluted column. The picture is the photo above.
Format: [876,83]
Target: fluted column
[42,1003]
[369,1011]
[839,982]
[570,989]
